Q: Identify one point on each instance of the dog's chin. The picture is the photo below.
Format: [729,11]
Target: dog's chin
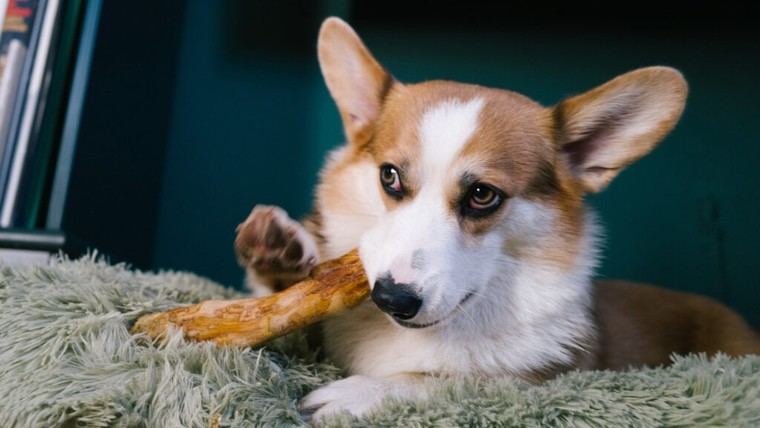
[439,321]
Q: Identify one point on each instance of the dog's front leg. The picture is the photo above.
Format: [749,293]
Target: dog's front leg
[359,394]
[275,250]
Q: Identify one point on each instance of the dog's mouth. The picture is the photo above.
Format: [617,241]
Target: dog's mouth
[408,324]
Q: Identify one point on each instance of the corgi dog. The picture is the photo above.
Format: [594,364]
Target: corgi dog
[467,206]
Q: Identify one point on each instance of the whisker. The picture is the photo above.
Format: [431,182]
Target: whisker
[461,309]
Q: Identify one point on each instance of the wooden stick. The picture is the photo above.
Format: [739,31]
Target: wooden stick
[332,287]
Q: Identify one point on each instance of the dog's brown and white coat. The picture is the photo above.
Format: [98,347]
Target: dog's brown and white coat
[467,206]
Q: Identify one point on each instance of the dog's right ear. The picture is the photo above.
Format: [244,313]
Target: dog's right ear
[604,130]
[357,82]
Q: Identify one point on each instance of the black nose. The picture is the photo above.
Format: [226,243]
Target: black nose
[398,300]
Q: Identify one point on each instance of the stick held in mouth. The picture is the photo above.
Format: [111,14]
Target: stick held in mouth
[331,288]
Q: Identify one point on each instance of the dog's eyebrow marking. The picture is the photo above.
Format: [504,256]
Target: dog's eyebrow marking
[418,259]
[466,180]
[444,130]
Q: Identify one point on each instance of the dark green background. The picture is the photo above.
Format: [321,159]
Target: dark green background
[244,118]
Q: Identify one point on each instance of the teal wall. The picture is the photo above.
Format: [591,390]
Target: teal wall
[239,135]
[255,130]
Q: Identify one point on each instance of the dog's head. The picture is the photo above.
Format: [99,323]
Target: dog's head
[476,182]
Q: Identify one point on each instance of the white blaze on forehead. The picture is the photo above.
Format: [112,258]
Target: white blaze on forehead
[425,225]
[444,130]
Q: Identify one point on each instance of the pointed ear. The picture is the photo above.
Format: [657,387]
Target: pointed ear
[606,129]
[357,82]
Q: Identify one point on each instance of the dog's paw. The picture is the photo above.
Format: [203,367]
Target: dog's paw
[274,245]
[356,395]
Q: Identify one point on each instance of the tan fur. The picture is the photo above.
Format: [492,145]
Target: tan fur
[643,325]
[367,78]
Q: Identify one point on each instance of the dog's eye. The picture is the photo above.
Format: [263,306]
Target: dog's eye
[391,180]
[482,196]
[482,199]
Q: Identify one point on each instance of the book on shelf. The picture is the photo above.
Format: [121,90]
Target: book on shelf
[15,37]
[11,63]
[29,33]
[45,52]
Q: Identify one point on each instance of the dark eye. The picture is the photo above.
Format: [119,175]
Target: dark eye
[391,180]
[481,200]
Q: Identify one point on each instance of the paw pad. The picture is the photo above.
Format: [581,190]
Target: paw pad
[274,244]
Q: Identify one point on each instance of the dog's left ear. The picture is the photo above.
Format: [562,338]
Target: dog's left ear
[606,129]
[357,82]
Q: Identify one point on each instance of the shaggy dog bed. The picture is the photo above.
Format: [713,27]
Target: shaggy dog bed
[67,359]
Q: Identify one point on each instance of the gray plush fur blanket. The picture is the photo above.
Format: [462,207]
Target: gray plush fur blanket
[67,359]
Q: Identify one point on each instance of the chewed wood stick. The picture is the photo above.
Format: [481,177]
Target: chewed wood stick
[331,288]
